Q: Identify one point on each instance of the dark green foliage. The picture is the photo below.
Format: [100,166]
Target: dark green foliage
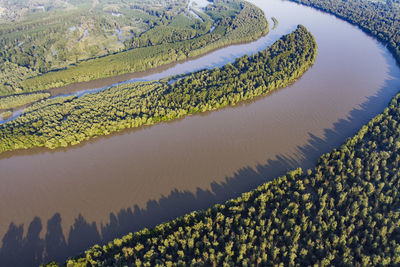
[68,121]
[346,212]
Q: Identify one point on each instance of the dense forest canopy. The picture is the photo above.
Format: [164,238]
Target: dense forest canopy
[46,44]
[64,121]
[344,212]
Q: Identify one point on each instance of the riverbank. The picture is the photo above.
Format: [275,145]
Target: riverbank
[294,213]
[157,173]
[228,31]
[61,122]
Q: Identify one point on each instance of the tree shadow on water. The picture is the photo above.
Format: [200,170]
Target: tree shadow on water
[30,249]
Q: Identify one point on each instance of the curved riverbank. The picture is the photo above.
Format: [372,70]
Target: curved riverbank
[229,30]
[62,122]
[154,174]
[308,208]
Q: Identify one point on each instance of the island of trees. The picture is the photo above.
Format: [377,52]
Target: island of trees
[344,212]
[64,121]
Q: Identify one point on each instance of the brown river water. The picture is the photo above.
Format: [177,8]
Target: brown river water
[66,200]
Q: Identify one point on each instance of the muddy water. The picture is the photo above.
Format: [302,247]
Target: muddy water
[112,185]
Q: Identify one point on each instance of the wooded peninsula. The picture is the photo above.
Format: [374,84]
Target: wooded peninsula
[343,212]
[65,121]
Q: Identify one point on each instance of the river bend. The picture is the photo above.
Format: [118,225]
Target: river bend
[111,185]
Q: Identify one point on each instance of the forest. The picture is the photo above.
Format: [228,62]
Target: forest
[344,212]
[82,42]
[64,121]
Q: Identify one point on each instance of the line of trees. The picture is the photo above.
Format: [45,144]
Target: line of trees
[67,121]
[161,46]
[65,46]
[61,35]
[345,212]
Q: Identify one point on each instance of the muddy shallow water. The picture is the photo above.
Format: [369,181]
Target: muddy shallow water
[111,185]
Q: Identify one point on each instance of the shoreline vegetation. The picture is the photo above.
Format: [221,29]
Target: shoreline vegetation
[15,101]
[175,37]
[65,121]
[343,212]
[6,114]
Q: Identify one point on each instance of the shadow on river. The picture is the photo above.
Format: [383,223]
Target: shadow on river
[30,249]
[55,204]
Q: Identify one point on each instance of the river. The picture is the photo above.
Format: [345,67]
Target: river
[68,199]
